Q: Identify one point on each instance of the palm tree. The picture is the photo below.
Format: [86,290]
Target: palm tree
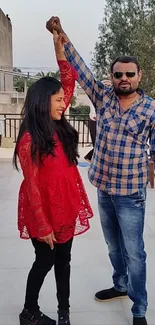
[49,74]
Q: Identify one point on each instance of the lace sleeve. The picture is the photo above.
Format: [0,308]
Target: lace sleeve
[68,76]
[30,171]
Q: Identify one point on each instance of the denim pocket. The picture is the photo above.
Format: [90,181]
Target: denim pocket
[140,198]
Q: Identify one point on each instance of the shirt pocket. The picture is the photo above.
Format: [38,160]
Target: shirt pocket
[135,124]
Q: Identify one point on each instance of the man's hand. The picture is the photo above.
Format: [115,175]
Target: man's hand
[54,24]
[49,239]
[107,82]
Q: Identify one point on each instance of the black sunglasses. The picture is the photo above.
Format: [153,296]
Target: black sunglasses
[119,75]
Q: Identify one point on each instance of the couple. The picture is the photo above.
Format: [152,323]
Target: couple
[47,147]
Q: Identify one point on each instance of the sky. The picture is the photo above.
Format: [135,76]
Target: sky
[33,44]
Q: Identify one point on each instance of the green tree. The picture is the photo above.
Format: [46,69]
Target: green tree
[127,29]
[50,74]
[81,112]
[18,80]
[73,101]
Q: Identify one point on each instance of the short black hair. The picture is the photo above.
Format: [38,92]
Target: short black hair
[125,59]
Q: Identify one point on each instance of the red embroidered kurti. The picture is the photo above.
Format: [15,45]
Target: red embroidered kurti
[52,196]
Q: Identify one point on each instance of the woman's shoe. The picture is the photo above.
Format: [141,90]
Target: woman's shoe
[27,318]
[63,317]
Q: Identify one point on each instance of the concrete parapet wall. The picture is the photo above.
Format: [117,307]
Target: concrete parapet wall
[11,108]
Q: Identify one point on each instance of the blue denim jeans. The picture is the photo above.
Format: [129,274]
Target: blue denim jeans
[122,220]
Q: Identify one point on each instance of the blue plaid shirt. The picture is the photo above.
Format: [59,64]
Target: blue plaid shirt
[120,160]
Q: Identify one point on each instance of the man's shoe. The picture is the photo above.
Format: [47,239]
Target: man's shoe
[38,318]
[63,317]
[110,294]
[139,321]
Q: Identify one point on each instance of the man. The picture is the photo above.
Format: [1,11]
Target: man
[119,169]
[92,128]
[92,125]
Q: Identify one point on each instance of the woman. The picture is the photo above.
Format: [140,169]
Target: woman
[53,205]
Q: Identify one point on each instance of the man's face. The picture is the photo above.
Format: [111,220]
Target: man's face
[125,78]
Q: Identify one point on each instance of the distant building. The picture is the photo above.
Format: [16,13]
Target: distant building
[6,56]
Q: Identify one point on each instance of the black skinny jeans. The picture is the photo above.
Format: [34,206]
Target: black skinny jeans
[92,128]
[60,257]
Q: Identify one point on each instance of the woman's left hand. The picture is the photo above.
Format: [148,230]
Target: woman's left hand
[59,41]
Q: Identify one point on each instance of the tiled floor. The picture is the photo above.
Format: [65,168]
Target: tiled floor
[91,270]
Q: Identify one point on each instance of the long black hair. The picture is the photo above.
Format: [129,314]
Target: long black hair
[38,122]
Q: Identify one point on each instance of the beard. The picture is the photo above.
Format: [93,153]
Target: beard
[124,91]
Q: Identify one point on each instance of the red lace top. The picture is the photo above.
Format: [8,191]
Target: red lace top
[52,196]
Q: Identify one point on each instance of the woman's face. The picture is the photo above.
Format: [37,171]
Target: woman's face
[57,105]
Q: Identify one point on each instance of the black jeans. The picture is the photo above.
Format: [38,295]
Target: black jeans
[60,257]
[92,128]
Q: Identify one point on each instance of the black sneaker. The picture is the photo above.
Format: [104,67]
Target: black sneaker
[38,318]
[63,317]
[139,321]
[110,294]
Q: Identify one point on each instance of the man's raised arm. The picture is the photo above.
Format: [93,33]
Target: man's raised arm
[93,88]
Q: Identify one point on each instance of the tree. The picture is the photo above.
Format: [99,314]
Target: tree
[127,29]
[73,101]
[81,112]
[18,81]
[50,74]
